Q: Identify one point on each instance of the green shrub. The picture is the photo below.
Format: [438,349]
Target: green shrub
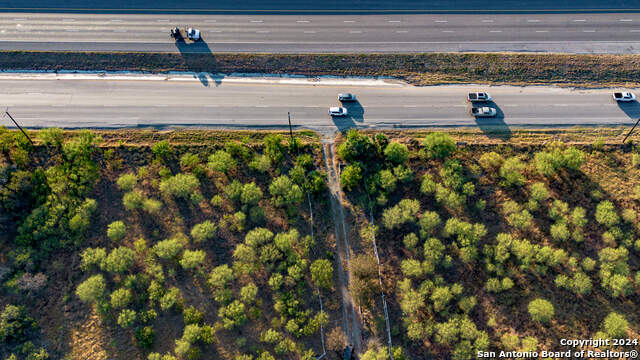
[15,324]
[629,216]
[539,192]
[251,194]
[120,298]
[126,318]
[204,231]
[248,293]
[615,325]
[491,161]
[411,268]
[151,206]
[192,259]
[133,200]
[285,192]
[170,299]
[92,257]
[116,230]
[190,162]
[161,149]
[119,260]
[169,248]
[559,231]
[261,163]
[322,273]
[606,214]
[91,289]
[511,172]
[428,186]
[403,173]
[145,336]
[410,241]
[351,176]
[405,211]
[221,161]
[451,174]
[127,181]
[428,222]
[439,145]
[232,315]
[386,180]
[541,310]
[220,276]
[180,186]
[274,148]
[396,153]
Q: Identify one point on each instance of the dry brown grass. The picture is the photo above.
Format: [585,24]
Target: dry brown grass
[419,69]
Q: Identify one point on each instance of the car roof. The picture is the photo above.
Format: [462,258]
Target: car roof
[335,108]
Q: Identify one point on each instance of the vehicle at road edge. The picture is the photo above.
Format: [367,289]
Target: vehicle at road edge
[479,96]
[624,96]
[337,111]
[484,111]
[346,97]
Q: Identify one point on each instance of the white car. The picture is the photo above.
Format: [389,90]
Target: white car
[337,111]
[193,34]
[484,111]
[478,97]
[624,96]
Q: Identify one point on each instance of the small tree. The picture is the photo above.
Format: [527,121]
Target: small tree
[192,259]
[439,145]
[511,172]
[541,310]
[248,293]
[615,325]
[116,230]
[351,176]
[203,231]
[120,298]
[170,248]
[133,200]
[119,260]
[251,194]
[91,289]
[161,150]
[126,318]
[127,181]
[221,161]
[606,214]
[180,186]
[285,192]
[322,273]
[396,153]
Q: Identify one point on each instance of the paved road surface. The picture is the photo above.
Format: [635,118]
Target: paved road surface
[246,103]
[314,5]
[570,33]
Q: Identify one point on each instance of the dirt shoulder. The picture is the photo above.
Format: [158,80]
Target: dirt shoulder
[418,69]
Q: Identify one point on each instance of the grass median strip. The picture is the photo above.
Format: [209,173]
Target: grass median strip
[418,69]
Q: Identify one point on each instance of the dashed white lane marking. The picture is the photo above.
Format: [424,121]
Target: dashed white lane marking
[163,20]
[211,21]
[349,21]
[302,21]
[410,106]
[626,20]
[109,105]
[402,31]
[634,30]
[211,105]
[448,31]
[495,31]
[256,21]
[58,105]
[533,20]
[215,31]
[161,105]
[511,105]
[589,31]
[561,105]
[355,32]
[72,30]
[441,21]
[487,21]
[542,31]
[261,106]
[68,20]
[19,19]
[309,32]
[580,20]
[393,21]
[116,20]
[262,31]
[120,31]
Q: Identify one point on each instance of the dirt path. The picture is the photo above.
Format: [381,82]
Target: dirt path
[352,321]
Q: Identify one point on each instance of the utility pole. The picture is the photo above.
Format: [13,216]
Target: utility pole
[630,131]
[6,111]
[293,142]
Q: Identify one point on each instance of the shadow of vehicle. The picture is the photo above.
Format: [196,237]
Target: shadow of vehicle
[355,111]
[631,108]
[343,123]
[198,57]
[493,127]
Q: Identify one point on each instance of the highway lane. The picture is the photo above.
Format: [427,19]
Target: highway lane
[200,6]
[264,103]
[567,33]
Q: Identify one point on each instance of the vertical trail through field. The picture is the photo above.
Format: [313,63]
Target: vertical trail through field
[352,321]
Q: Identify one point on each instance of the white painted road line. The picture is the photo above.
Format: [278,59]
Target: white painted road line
[402,31]
[448,31]
[116,20]
[589,31]
[542,31]
[309,32]
[120,31]
[393,21]
[68,20]
[626,20]
[579,20]
[302,21]
[256,21]
[441,21]
[634,30]
[262,32]
[162,20]
[533,21]
[495,31]
[487,21]
[211,105]
[210,21]
[349,21]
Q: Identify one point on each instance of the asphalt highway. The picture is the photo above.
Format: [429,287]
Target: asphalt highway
[43,101]
[201,6]
[299,33]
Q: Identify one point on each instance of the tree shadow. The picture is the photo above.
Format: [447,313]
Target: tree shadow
[199,59]
[493,127]
[355,111]
[631,108]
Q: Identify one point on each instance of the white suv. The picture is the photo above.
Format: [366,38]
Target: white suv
[337,111]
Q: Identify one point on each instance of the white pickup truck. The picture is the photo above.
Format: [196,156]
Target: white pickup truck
[624,96]
[479,96]
[484,111]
